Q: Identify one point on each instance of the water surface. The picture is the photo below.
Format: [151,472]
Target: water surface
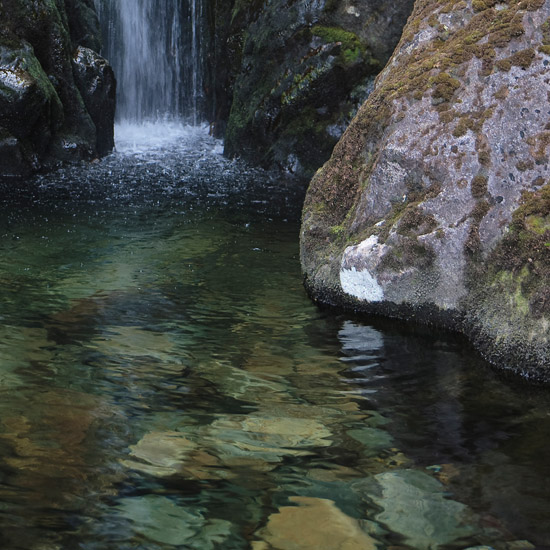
[166,383]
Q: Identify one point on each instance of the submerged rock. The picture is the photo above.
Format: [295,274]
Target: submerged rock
[43,115]
[315,524]
[414,505]
[435,205]
[304,69]
[164,521]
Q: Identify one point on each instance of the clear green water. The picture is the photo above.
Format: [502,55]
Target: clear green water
[166,383]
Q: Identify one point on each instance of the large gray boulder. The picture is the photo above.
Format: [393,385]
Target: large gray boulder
[435,205]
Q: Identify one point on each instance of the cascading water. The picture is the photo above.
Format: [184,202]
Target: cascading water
[155,47]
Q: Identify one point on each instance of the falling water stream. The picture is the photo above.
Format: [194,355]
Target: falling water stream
[157,52]
[167,384]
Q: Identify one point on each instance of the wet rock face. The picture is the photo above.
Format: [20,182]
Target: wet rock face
[95,79]
[31,110]
[305,67]
[434,205]
[45,113]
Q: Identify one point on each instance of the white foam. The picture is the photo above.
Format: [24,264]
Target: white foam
[147,137]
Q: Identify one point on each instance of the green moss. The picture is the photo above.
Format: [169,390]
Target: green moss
[520,264]
[353,49]
[512,285]
[409,252]
[532,204]
[479,186]
[338,230]
[522,165]
[472,246]
[539,143]
[531,5]
[336,34]
[538,224]
[303,82]
[415,221]
[479,5]
[501,93]
[484,158]
[545,30]
[464,124]
[504,64]
[444,87]
[523,58]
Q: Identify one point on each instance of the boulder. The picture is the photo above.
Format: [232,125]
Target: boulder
[305,67]
[95,79]
[31,112]
[41,106]
[435,205]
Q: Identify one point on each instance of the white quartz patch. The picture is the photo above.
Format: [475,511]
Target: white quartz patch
[11,79]
[361,284]
[352,10]
[355,277]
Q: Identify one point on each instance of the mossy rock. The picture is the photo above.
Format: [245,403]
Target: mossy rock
[434,205]
[40,104]
[298,58]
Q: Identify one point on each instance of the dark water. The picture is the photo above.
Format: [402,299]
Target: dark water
[166,383]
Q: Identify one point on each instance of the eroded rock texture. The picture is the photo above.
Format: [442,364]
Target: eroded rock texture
[46,115]
[435,204]
[298,71]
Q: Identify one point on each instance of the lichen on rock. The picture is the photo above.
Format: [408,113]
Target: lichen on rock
[441,165]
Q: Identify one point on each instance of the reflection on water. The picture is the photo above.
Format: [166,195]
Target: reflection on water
[166,383]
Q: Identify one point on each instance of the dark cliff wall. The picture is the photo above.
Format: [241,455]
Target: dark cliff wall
[291,74]
[57,95]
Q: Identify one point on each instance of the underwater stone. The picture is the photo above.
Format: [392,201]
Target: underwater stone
[315,524]
[415,505]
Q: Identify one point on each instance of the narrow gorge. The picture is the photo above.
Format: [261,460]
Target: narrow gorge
[172,172]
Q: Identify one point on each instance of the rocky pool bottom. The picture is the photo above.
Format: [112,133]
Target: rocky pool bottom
[166,382]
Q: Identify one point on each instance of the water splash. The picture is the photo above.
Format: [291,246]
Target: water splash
[161,138]
[155,47]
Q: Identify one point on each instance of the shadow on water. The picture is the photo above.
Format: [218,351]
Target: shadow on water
[166,383]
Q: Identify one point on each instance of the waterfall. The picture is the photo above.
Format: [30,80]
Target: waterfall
[157,55]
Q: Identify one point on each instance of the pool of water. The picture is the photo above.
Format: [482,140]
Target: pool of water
[166,383]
